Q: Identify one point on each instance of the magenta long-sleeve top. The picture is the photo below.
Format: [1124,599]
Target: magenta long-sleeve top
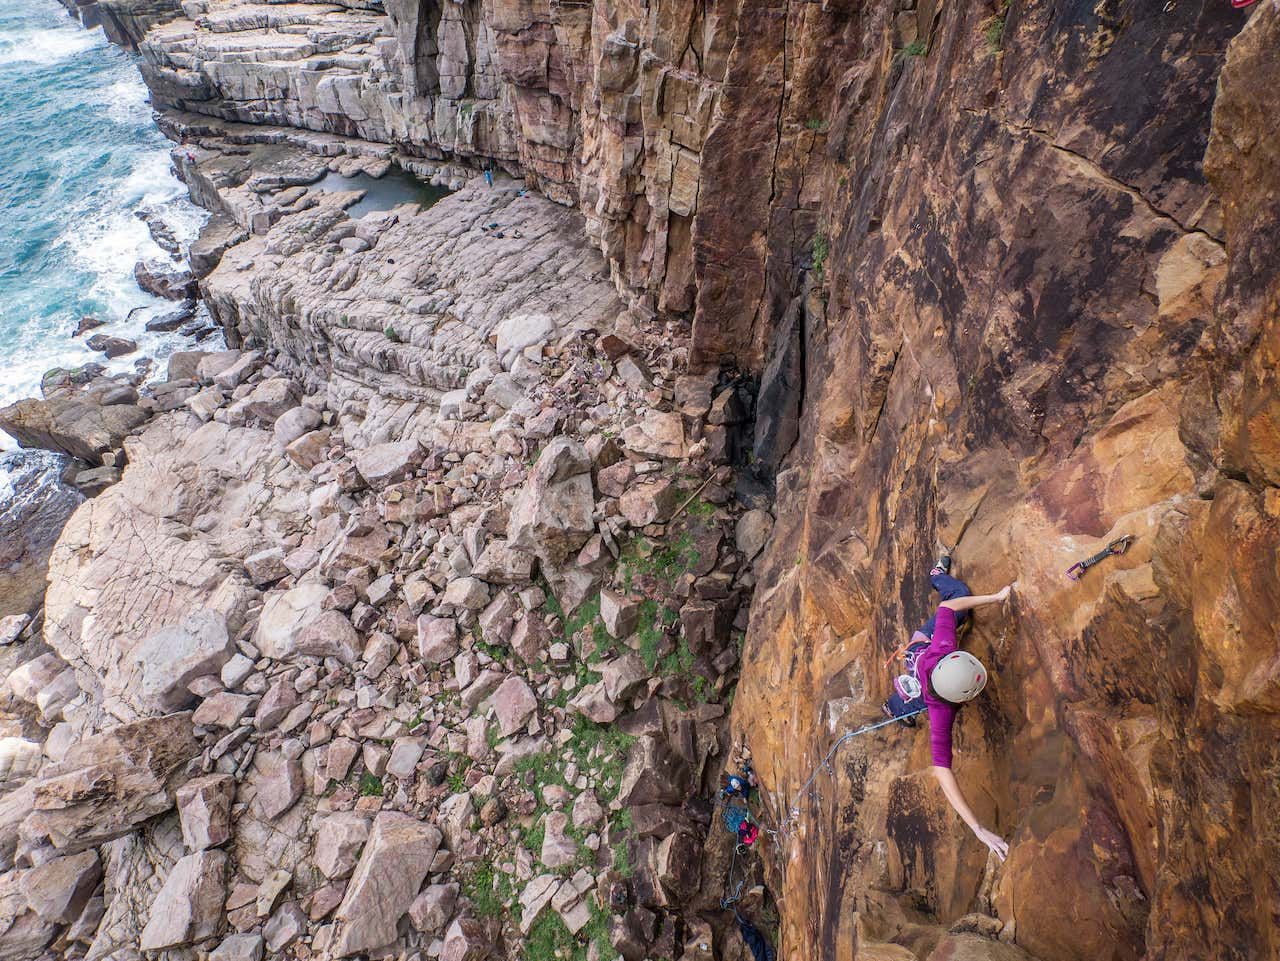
[942,714]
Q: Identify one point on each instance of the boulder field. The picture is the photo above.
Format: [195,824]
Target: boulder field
[423,620]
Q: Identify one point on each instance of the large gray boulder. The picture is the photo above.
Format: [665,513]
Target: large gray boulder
[395,862]
[189,906]
[553,515]
[155,675]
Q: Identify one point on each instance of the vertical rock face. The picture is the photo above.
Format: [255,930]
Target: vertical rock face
[1032,325]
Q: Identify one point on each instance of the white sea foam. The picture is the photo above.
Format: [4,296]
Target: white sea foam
[126,102]
[45,47]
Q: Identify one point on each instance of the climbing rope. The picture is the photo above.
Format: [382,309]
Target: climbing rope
[825,764]
[733,892]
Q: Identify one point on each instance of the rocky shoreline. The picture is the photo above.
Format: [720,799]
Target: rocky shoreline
[405,626]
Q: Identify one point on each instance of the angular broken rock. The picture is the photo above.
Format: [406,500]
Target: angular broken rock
[20,758]
[284,617]
[328,634]
[30,678]
[537,894]
[270,399]
[433,908]
[339,839]
[25,933]
[108,784]
[238,947]
[437,638]
[308,450]
[752,532]
[285,926]
[384,464]
[554,513]
[266,567]
[514,704]
[651,503]
[454,818]
[679,865]
[58,889]
[294,423]
[204,807]
[406,752]
[278,701]
[622,676]
[222,710]
[396,859]
[592,702]
[558,849]
[11,627]
[530,638]
[497,619]
[469,593]
[586,810]
[500,563]
[466,940]
[620,614]
[659,434]
[189,906]
[279,782]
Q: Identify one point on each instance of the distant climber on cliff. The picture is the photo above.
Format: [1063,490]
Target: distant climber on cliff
[942,677]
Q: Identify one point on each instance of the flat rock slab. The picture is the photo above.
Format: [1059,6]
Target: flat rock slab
[394,864]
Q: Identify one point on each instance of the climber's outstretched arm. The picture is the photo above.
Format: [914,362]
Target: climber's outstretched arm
[952,790]
[978,600]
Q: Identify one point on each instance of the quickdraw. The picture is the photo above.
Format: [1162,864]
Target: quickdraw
[1115,548]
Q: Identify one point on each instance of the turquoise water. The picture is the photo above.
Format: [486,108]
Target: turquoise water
[79,158]
[382,193]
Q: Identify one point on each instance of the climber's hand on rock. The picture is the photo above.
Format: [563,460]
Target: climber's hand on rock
[1003,594]
[994,841]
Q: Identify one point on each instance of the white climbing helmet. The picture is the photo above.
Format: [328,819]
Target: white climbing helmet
[958,677]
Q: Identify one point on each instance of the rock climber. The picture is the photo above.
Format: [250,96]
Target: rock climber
[742,784]
[950,677]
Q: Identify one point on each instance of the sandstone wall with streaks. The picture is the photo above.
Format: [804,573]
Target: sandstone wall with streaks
[1043,320]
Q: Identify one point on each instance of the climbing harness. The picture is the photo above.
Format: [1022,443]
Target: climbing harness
[825,763]
[1116,547]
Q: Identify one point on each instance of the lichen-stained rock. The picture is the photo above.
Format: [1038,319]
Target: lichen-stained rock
[553,514]
[108,784]
[395,861]
[189,906]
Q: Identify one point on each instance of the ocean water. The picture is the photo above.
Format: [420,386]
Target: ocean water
[80,157]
